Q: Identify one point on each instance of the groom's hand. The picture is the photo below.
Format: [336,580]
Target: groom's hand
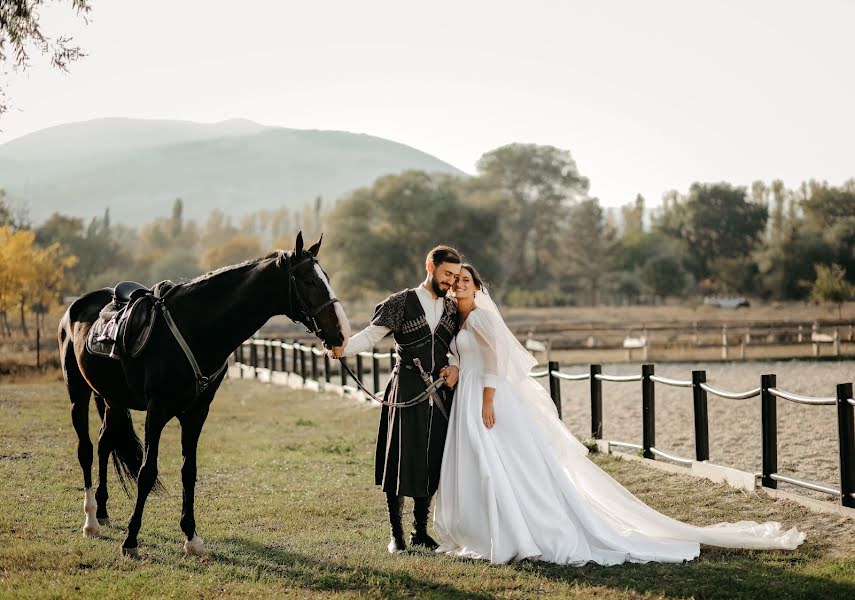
[451,374]
[336,352]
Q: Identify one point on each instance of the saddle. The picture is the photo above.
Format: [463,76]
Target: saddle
[125,324]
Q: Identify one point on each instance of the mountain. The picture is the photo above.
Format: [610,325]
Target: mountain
[138,167]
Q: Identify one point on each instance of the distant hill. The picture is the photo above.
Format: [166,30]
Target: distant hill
[138,167]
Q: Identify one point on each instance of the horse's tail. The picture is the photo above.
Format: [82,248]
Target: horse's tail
[127,448]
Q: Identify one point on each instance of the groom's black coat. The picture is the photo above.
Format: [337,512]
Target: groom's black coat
[410,441]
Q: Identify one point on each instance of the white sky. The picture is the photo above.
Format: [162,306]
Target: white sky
[647,95]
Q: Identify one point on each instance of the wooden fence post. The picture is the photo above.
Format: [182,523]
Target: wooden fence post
[283,357]
[359,366]
[327,368]
[769,430]
[314,362]
[295,356]
[375,370]
[846,437]
[702,435]
[303,363]
[648,411]
[724,341]
[596,403]
[253,358]
[554,385]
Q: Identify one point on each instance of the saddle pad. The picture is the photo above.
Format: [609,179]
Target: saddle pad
[98,343]
[126,332]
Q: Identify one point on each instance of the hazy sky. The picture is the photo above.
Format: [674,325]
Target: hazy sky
[647,95]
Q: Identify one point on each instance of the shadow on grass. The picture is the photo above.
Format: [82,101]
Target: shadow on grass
[716,574]
[270,562]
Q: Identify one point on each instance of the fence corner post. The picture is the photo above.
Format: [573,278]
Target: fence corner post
[702,433]
[846,438]
[769,430]
[648,411]
[554,384]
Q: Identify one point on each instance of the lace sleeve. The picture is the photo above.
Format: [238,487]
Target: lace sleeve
[390,312]
[485,337]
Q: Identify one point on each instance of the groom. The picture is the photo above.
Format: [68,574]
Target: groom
[410,440]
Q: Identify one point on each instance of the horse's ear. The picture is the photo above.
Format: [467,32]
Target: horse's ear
[317,247]
[298,246]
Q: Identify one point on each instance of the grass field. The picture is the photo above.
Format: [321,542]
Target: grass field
[286,506]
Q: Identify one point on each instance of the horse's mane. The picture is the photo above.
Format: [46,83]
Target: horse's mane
[224,272]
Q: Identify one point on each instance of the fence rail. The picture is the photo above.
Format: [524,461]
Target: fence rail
[304,365]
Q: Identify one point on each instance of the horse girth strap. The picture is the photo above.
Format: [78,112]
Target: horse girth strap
[202,381]
[430,392]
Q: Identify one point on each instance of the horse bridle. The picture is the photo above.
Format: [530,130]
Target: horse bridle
[309,316]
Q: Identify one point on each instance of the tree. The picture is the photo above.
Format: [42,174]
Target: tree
[533,187]
[588,246]
[20,33]
[664,276]
[97,250]
[633,216]
[714,222]
[777,216]
[177,218]
[379,236]
[236,250]
[830,285]
[18,277]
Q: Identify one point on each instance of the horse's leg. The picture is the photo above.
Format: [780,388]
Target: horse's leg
[105,446]
[191,428]
[156,419]
[80,392]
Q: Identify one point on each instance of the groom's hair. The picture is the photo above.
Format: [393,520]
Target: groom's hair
[443,253]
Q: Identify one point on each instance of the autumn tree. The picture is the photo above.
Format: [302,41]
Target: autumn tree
[831,285]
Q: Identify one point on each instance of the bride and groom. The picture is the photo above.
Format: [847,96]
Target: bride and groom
[511,481]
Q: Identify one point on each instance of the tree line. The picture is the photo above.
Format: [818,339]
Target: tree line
[526,220]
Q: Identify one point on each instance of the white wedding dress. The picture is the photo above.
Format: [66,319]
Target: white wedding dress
[526,489]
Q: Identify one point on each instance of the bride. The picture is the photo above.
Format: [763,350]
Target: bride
[516,484]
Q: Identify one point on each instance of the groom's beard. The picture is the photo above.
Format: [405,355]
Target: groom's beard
[436,289]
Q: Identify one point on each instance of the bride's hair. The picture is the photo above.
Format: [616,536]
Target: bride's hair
[476,277]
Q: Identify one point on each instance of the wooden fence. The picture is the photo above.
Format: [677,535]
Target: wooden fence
[308,366]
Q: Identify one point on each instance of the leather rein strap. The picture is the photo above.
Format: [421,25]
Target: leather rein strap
[407,403]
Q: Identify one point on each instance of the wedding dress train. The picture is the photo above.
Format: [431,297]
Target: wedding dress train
[526,489]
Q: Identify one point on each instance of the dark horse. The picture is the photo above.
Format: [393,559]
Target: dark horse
[214,314]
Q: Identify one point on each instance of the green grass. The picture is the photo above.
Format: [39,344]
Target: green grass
[286,505]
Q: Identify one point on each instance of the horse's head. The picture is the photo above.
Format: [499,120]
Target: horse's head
[312,300]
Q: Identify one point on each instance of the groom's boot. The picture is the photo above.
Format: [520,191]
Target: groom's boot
[396,507]
[420,537]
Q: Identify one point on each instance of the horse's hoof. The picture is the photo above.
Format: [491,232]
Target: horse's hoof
[91,531]
[104,521]
[195,546]
[130,552]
